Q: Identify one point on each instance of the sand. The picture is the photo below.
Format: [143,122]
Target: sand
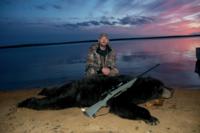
[181,114]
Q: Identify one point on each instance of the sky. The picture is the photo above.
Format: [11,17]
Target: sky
[34,21]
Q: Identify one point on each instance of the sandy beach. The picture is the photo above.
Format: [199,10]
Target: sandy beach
[181,114]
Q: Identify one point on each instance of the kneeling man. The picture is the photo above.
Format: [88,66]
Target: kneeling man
[101,58]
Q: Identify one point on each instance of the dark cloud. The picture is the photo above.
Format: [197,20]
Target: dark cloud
[107,18]
[57,7]
[107,22]
[128,20]
[96,23]
[80,24]
[41,7]
[135,20]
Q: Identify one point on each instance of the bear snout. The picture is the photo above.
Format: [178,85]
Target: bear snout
[167,92]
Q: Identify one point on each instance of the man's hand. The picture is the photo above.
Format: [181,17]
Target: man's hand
[105,71]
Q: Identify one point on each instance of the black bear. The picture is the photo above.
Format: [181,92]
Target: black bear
[88,91]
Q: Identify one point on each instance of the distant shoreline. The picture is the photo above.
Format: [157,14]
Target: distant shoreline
[90,41]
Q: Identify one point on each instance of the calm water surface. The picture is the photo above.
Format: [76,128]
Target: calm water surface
[55,65]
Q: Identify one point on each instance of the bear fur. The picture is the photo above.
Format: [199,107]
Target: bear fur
[88,91]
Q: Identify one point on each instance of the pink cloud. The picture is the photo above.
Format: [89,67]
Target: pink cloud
[175,20]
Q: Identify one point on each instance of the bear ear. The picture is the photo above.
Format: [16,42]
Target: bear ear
[156,82]
[160,89]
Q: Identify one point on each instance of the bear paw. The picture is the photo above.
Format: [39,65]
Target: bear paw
[31,102]
[152,121]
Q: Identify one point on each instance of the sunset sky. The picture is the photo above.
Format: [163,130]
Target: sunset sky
[28,21]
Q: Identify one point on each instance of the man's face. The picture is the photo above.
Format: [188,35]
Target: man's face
[103,41]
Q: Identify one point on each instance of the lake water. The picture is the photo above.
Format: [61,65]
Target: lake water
[51,66]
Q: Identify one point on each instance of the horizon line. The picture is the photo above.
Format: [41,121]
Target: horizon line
[87,41]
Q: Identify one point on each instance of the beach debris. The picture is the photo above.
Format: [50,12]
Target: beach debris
[172,106]
[12,110]
[83,109]
[156,102]
[149,131]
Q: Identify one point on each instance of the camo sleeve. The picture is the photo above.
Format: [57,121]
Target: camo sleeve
[91,63]
[112,64]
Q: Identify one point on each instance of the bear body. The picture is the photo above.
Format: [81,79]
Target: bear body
[88,91]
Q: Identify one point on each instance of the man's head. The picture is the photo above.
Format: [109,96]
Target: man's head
[103,39]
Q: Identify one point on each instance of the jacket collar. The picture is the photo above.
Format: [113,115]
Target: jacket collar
[103,52]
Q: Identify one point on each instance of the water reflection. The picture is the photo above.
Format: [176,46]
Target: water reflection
[176,56]
[47,66]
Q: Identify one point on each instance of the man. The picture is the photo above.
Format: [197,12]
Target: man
[101,58]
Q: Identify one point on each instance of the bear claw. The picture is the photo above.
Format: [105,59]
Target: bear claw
[152,121]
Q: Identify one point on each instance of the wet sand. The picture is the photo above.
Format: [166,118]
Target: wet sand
[181,114]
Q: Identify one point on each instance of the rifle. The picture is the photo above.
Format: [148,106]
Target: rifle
[91,111]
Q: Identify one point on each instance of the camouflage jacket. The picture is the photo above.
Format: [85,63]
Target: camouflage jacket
[96,61]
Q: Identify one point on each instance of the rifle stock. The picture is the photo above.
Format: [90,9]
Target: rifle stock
[91,111]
